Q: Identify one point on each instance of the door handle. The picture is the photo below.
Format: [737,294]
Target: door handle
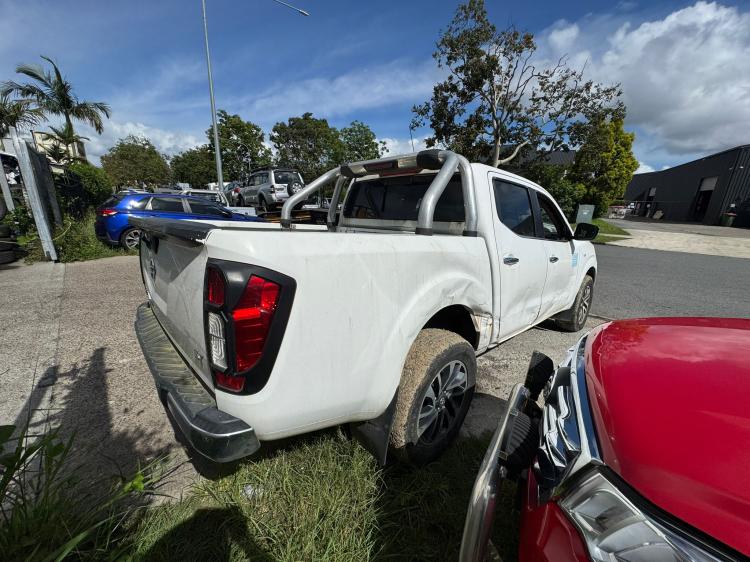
[510,260]
[553,259]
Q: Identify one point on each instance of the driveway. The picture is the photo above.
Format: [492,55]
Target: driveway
[70,359]
[685,237]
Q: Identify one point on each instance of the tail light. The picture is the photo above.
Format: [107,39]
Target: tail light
[252,320]
[236,190]
[106,212]
[236,335]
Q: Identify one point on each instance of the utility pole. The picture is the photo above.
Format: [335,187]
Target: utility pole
[217,148]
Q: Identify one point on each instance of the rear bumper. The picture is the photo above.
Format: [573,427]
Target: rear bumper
[213,433]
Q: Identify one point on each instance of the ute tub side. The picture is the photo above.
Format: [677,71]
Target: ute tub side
[360,302]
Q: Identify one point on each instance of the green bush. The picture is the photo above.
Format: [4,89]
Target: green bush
[77,241]
[20,219]
[82,187]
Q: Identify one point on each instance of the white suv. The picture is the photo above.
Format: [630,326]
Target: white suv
[270,187]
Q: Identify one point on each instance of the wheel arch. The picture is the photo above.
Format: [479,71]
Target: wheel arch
[456,318]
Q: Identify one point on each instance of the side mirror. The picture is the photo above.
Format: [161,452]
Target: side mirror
[585,231]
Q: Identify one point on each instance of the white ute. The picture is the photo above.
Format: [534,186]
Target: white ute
[259,331]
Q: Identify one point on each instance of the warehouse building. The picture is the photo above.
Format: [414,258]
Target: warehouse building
[699,191]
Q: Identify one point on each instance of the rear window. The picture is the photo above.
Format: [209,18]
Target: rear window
[215,197]
[112,201]
[399,198]
[286,177]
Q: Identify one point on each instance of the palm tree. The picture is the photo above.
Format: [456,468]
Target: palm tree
[65,137]
[53,94]
[17,113]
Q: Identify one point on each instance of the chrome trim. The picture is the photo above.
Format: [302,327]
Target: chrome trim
[481,512]
[567,440]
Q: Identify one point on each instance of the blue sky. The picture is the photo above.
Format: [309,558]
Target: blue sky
[684,67]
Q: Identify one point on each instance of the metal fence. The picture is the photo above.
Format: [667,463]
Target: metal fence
[39,189]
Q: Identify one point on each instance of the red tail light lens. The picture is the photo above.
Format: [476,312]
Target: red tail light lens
[107,212]
[230,382]
[252,320]
[216,287]
[236,190]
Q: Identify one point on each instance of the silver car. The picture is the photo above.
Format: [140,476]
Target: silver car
[269,188]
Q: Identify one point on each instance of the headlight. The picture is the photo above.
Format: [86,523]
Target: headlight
[615,530]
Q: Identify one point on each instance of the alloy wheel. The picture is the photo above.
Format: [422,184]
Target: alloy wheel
[132,238]
[442,401]
[583,308]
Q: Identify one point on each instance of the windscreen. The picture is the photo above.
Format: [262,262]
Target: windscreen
[399,198]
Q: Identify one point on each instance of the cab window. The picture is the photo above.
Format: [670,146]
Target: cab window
[514,207]
[553,223]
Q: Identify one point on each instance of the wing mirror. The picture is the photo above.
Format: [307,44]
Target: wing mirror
[585,231]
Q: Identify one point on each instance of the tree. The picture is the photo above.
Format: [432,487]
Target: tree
[564,188]
[605,163]
[54,95]
[241,145]
[496,96]
[135,161]
[65,137]
[17,113]
[307,144]
[195,166]
[359,143]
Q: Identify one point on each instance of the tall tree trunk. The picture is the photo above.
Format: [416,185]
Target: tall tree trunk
[496,151]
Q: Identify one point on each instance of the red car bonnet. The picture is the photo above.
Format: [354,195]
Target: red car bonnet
[671,402]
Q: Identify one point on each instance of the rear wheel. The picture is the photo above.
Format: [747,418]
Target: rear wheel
[262,205]
[437,386]
[240,201]
[7,256]
[574,319]
[130,238]
[5,231]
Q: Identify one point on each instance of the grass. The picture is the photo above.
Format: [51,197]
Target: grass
[608,228]
[324,499]
[604,239]
[320,497]
[45,514]
[75,241]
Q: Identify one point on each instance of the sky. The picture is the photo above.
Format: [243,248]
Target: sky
[684,67]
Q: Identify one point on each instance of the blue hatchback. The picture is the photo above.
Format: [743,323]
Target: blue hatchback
[113,217]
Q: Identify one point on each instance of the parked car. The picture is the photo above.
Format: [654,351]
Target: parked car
[375,323]
[114,218]
[638,453]
[232,192]
[269,187]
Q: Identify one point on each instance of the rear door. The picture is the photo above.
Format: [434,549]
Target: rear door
[561,258]
[523,258]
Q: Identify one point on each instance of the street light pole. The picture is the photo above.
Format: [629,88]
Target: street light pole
[217,148]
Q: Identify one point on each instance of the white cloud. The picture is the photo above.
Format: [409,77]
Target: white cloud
[685,78]
[402,146]
[166,142]
[398,82]
[644,168]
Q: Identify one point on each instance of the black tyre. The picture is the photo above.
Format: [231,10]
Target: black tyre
[3,206]
[5,231]
[130,239]
[8,246]
[7,256]
[574,319]
[437,386]
[262,205]
[240,201]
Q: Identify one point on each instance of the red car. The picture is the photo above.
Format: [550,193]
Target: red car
[639,452]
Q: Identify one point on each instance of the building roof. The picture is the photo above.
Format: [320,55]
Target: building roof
[739,147]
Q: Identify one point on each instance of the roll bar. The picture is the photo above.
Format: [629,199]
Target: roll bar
[446,161]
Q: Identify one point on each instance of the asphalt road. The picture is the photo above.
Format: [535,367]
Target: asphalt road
[634,282]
